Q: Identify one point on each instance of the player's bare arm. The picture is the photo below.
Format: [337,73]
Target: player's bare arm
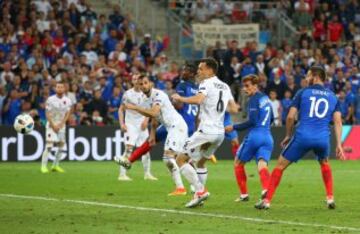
[121,118]
[152,137]
[338,131]
[290,121]
[65,119]
[153,112]
[233,107]
[196,100]
[51,123]
[145,124]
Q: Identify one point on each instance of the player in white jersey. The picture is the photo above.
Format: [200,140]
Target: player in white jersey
[135,128]
[214,98]
[164,112]
[58,109]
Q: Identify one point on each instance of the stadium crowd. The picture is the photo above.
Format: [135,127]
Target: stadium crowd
[44,41]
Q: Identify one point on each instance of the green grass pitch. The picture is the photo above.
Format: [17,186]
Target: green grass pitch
[299,199]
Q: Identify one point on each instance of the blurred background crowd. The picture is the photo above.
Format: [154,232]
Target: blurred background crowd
[47,40]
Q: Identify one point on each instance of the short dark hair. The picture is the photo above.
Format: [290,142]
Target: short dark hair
[60,82]
[143,76]
[211,63]
[191,67]
[318,71]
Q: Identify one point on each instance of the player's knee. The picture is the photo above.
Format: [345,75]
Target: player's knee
[323,161]
[201,163]
[262,164]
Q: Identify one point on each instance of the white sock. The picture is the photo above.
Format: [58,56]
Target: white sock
[174,170]
[45,156]
[190,174]
[202,174]
[122,171]
[58,156]
[146,161]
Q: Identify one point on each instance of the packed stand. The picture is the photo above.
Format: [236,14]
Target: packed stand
[45,41]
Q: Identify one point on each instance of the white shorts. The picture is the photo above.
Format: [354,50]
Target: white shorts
[176,137]
[202,145]
[52,136]
[135,136]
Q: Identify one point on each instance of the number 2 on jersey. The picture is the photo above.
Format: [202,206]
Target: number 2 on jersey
[314,108]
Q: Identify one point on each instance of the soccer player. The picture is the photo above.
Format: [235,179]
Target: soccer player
[58,109]
[135,127]
[164,112]
[213,97]
[317,107]
[259,142]
[232,136]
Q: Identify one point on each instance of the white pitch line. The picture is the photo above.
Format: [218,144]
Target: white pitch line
[211,215]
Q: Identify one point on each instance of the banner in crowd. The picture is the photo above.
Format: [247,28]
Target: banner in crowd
[209,34]
[103,143]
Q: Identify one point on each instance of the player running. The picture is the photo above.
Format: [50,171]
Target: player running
[213,97]
[135,127]
[165,113]
[317,106]
[259,142]
[58,109]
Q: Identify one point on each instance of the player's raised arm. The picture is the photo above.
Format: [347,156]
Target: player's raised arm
[153,112]
[196,100]
[338,132]
[152,137]
[233,107]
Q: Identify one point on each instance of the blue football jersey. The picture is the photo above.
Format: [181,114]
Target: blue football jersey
[188,111]
[260,113]
[316,106]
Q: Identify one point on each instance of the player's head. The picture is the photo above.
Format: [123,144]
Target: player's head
[145,84]
[135,80]
[250,84]
[273,94]
[287,94]
[316,75]
[207,68]
[60,88]
[188,71]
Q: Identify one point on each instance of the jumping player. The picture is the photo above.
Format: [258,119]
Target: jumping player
[135,127]
[317,107]
[58,109]
[164,112]
[213,97]
[259,142]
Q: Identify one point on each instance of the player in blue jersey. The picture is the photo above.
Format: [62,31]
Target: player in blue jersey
[259,142]
[232,136]
[317,107]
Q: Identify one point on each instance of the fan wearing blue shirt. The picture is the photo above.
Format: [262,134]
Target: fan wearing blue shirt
[258,142]
[285,104]
[316,108]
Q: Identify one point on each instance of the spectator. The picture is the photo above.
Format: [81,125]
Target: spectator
[2,98]
[97,119]
[6,75]
[335,30]
[90,55]
[291,86]
[12,107]
[146,48]
[116,18]
[320,29]
[285,104]
[199,12]
[357,107]
[238,15]
[345,108]
[276,107]
[97,104]
[114,103]
[247,68]
[233,51]
[277,85]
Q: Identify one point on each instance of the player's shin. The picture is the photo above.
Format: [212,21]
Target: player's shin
[190,174]
[45,156]
[241,178]
[146,161]
[140,151]
[202,174]
[234,149]
[170,163]
[274,182]
[328,179]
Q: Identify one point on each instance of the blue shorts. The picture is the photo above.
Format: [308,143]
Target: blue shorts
[258,144]
[300,145]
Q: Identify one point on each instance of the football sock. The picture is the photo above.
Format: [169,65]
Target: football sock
[327,178]
[264,178]
[146,161]
[140,151]
[190,174]
[202,174]
[234,149]
[58,156]
[275,179]
[122,171]
[45,156]
[241,178]
[170,163]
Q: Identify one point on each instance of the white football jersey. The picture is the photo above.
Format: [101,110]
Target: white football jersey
[212,109]
[168,115]
[137,98]
[58,107]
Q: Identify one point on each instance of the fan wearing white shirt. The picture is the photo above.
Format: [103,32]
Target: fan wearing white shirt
[135,128]
[214,98]
[58,109]
[161,110]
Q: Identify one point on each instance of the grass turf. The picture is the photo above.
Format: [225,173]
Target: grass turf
[300,198]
